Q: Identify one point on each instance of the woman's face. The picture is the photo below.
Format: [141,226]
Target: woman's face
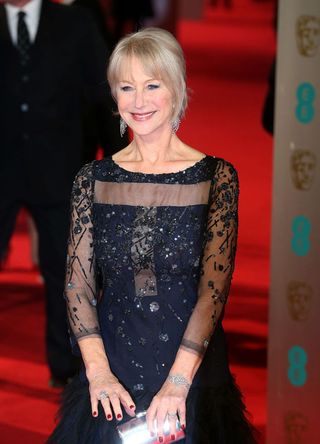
[145,103]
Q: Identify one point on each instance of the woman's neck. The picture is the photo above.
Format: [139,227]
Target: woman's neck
[154,150]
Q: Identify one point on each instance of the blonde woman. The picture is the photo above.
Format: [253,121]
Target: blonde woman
[157,222]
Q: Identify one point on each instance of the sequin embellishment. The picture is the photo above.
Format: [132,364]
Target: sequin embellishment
[154,306]
[142,252]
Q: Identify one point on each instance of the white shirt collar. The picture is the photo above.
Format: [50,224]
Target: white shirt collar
[32,10]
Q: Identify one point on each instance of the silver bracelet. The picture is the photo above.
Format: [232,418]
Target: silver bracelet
[179,380]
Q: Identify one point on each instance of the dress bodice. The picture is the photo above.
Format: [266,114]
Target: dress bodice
[150,261]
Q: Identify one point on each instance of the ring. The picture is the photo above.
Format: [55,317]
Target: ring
[172,415]
[103,395]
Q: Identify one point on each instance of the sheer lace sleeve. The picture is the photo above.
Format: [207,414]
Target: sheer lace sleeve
[80,287]
[218,258]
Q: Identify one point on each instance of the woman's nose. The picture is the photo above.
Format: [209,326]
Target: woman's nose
[140,99]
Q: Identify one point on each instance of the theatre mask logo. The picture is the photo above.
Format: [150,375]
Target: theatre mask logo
[303,164]
[295,425]
[308,35]
[299,298]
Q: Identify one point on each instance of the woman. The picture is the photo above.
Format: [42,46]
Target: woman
[156,224]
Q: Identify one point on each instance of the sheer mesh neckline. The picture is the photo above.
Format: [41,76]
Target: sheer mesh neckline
[185,170]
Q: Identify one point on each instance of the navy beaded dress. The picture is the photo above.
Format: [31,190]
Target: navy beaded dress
[150,262]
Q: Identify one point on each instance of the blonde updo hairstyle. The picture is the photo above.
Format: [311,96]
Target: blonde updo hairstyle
[161,56]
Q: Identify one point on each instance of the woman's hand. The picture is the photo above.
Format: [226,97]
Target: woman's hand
[169,402]
[106,388]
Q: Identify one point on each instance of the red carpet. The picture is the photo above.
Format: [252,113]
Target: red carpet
[228,56]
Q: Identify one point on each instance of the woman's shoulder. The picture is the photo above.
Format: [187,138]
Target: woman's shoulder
[219,169]
[224,172]
[86,171]
[224,165]
[95,169]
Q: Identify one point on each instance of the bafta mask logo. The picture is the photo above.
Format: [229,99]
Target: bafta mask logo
[303,164]
[299,298]
[308,35]
[295,425]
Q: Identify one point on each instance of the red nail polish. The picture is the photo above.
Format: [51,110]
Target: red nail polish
[109,416]
[119,416]
[132,407]
[160,439]
[173,437]
[183,426]
[94,413]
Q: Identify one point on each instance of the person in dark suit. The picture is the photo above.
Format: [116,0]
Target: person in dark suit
[98,14]
[52,61]
[95,129]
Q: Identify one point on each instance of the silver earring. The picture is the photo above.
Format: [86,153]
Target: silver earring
[175,124]
[123,127]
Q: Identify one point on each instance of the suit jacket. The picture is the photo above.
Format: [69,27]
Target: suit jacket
[97,13]
[94,122]
[41,105]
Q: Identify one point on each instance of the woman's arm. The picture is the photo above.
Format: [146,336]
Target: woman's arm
[103,382]
[217,262]
[80,285]
[216,273]
[81,297]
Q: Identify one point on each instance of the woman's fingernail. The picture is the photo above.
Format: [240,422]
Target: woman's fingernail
[109,416]
[94,413]
[173,437]
[183,426]
[160,439]
[119,416]
[132,407]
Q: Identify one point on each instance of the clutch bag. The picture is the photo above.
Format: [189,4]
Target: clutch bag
[135,431]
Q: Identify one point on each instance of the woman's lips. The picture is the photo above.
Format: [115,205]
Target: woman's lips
[141,117]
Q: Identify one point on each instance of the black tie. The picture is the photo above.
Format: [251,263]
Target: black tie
[23,42]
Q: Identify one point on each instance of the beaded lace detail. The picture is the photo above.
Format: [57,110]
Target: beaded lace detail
[162,249]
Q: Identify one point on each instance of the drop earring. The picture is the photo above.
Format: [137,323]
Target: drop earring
[123,127]
[175,125]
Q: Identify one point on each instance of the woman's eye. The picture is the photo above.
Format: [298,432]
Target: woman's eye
[125,88]
[153,86]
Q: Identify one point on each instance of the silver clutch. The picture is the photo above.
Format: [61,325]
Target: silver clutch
[135,431]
